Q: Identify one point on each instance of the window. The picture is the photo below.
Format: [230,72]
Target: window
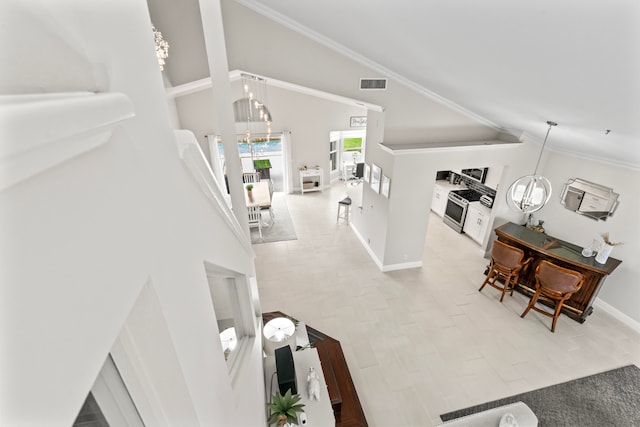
[333,156]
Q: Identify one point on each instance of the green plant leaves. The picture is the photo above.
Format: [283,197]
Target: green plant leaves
[285,405]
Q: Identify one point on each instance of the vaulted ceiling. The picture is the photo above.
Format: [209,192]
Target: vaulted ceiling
[512,64]
[515,63]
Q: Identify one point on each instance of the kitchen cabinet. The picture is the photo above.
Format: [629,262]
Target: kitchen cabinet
[439,200]
[475,225]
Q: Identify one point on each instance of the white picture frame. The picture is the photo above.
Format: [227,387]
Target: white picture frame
[367,172]
[384,187]
[376,173]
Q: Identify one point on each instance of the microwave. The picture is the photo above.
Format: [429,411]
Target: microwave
[479,174]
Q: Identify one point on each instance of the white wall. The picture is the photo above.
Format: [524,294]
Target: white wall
[622,288]
[84,241]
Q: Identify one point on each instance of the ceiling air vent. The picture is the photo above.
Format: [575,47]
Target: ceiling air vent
[373,84]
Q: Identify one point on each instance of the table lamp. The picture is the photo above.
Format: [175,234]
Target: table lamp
[278,332]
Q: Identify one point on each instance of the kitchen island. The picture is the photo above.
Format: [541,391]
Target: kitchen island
[541,246]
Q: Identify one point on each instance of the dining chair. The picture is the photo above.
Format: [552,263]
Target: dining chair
[506,265]
[250,177]
[255,218]
[554,284]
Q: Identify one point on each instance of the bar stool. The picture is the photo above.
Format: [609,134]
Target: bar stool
[346,205]
[554,284]
[506,264]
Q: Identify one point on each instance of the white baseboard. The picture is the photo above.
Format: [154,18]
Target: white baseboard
[367,247]
[402,266]
[632,323]
[384,268]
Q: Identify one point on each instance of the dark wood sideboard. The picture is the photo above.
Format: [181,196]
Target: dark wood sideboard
[342,393]
[541,246]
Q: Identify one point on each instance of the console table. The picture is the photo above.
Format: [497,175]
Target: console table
[541,246]
[341,390]
[311,180]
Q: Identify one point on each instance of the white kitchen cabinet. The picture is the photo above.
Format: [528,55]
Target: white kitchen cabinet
[475,225]
[439,200]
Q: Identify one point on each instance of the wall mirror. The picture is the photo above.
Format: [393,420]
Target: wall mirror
[591,200]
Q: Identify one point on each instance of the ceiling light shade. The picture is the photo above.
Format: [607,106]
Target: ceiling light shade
[530,193]
[278,332]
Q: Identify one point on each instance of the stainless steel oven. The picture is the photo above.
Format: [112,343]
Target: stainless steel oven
[456,210]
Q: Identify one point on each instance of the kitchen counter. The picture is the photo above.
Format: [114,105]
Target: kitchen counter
[482,208]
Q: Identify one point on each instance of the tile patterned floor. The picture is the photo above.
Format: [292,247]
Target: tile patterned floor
[423,342]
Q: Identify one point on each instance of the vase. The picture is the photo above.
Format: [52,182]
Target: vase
[250,194]
[603,253]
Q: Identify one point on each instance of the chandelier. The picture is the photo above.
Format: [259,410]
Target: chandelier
[251,114]
[162,47]
[530,193]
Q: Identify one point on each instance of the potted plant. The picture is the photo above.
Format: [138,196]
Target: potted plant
[285,409]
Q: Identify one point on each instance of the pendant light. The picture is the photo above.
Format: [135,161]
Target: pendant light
[530,193]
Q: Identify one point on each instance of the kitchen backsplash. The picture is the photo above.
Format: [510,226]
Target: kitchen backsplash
[480,188]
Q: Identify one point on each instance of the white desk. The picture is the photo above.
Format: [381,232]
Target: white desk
[319,413]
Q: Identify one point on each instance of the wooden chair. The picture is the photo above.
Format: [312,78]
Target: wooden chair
[554,284]
[255,218]
[250,177]
[506,264]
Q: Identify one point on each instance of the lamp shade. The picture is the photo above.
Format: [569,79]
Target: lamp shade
[529,193]
[278,332]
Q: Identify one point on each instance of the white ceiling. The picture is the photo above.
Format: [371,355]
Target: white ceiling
[515,63]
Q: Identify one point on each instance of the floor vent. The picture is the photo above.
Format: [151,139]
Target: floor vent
[373,84]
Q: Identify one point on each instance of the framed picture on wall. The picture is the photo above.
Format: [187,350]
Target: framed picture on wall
[376,173]
[384,188]
[367,172]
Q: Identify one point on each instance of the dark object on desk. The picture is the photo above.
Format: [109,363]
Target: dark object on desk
[286,370]
[541,246]
[359,170]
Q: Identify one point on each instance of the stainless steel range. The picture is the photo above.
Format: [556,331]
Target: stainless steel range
[457,205]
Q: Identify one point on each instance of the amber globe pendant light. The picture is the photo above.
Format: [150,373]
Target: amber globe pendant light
[530,193]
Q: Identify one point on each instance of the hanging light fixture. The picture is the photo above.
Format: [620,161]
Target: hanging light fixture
[530,193]
[162,47]
[252,117]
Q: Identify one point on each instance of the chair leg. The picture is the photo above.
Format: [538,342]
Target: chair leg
[532,302]
[506,287]
[486,280]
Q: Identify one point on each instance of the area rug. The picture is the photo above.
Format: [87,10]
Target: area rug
[610,398]
[281,229]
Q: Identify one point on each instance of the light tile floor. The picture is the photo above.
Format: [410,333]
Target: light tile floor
[424,341]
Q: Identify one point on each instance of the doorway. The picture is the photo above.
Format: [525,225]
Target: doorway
[346,150]
[264,154]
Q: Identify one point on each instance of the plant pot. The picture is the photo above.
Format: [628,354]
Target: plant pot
[250,195]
